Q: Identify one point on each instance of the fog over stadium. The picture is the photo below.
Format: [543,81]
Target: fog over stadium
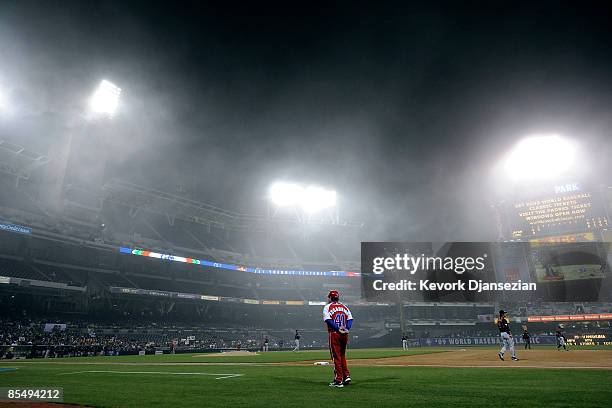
[246,203]
[404,110]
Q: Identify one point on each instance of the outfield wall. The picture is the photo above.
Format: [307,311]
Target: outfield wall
[480,341]
[582,339]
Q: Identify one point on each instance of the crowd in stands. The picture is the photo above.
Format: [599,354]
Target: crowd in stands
[54,340]
[41,338]
[50,338]
[535,329]
[558,308]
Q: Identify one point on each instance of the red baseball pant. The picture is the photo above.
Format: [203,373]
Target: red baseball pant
[337,349]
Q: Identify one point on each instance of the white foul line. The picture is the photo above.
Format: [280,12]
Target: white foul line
[219,376]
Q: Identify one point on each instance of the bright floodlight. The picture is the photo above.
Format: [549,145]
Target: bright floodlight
[540,157]
[106,98]
[316,199]
[310,199]
[285,194]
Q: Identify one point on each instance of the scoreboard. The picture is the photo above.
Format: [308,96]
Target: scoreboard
[565,209]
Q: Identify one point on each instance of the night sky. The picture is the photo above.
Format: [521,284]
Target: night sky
[404,109]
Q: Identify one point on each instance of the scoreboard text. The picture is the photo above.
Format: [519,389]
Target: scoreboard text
[561,212]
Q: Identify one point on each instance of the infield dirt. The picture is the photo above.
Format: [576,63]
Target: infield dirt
[588,359]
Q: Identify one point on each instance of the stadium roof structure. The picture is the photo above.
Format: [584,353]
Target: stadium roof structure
[138,197]
[17,161]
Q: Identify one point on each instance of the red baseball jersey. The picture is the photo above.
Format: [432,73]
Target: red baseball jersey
[338,312]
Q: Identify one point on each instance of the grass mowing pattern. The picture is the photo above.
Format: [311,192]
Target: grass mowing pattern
[270,357]
[306,387]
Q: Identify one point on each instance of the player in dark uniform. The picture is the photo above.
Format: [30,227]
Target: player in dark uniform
[527,339]
[561,340]
[297,338]
[506,336]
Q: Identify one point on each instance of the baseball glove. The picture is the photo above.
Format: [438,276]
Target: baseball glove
[343,330]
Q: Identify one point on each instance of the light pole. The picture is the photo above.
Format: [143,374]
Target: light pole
[84,158]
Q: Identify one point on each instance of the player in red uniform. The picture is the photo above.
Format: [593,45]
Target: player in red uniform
[339,321]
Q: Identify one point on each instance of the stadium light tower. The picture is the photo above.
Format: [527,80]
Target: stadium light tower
[316,199]
[88,134]
[105,99]
[308,200]
[540,157]
[285,194]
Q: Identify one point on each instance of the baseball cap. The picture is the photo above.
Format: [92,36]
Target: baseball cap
[333,294]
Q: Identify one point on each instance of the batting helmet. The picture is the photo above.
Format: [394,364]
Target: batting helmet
[333,294]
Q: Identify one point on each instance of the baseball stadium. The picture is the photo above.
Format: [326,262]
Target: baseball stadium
[370,205]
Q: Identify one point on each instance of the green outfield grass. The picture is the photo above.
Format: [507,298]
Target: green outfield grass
[306,386]
[270,357]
